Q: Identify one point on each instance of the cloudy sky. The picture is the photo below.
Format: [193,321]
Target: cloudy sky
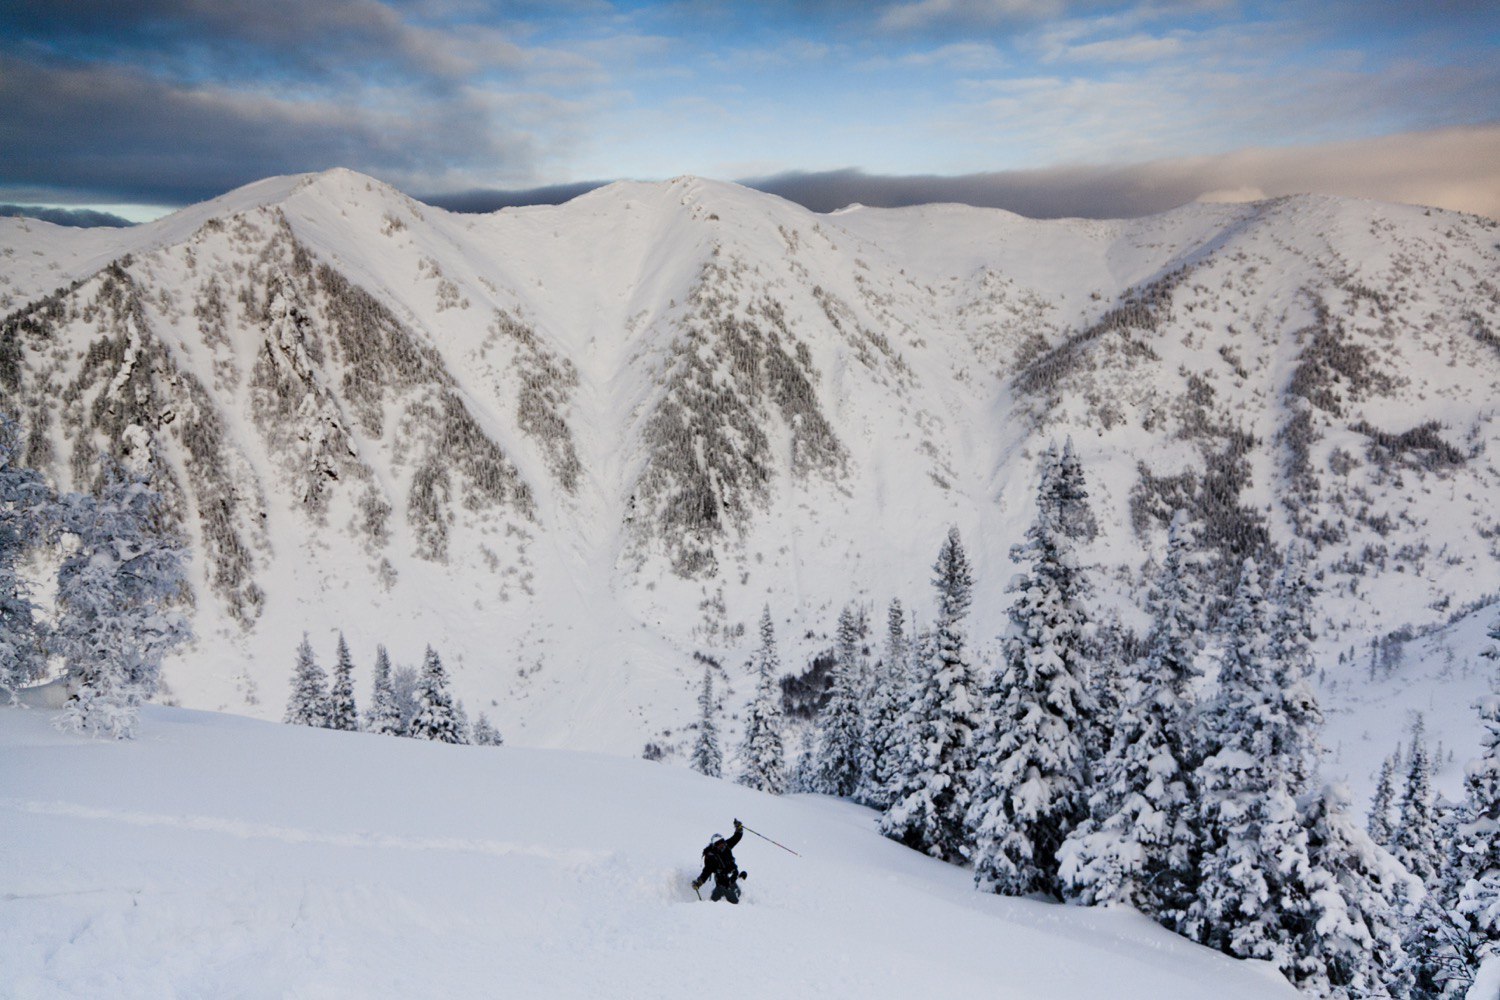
[1048,107]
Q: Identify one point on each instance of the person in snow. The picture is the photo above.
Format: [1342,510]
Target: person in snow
[718,861]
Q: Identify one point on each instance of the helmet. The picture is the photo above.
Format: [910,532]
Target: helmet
[714,839]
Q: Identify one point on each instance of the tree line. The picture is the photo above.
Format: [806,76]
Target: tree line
[403,701]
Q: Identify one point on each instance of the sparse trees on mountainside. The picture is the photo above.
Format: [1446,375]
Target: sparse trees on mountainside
[931,793]
[762,755]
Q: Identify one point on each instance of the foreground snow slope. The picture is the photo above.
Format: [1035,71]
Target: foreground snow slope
[218,856]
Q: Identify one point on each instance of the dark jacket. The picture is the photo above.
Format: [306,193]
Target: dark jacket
[718,861]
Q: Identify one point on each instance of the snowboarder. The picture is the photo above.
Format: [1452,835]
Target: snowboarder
[718,861]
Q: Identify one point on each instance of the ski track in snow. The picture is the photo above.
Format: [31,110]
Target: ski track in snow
[293,835]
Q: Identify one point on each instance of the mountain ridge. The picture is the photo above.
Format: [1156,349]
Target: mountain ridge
[628,421]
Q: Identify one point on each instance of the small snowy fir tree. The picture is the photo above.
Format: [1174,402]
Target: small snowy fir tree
[884,702]
[309,703]
[115,589]
[931,794]
[341,711]
[437,718]
[1033,757]
[707,757]
[1379,825]
[1415,841]
[1459,927]
[1254,842]
[1138,846]
[762,756]
[485,733]
[385,715]
[841,725]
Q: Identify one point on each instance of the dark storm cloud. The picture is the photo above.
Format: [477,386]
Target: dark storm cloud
[1457,168]
[81,217]
[218,38]
[122,135]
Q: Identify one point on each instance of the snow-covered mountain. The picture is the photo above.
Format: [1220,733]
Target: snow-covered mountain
[572,446]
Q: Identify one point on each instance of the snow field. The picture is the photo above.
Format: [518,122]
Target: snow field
[217,856]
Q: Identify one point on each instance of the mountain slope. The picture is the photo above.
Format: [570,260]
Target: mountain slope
[571,446]
[221,856]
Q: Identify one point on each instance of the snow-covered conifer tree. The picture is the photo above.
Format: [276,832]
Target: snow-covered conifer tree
[309,703]
[1415,840]
[841,724]
[1139,844]
[485,733]
[1348,940]
[385,715]
[436,719]
[1460,924]
[25,502]
[1379,825]
[931,794]
[762,756]
[884,702]
[707,757]
[341,711]
[1033,755]
[114,595]
[1291,636]
[1254,842]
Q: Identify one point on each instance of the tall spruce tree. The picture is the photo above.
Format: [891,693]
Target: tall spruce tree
[931,794]
[1139,845]
[1033,755]
[762,755]
[1254,843]
[308,704]
[384,716]
[437,717]
[707,757]
[342,713]
[1415,841]
[884,702]
[26,516]
[1292,601]
[841,725]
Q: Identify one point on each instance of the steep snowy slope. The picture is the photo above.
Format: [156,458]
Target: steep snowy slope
[572,446]
[218,856]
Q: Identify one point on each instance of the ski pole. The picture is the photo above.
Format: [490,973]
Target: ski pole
[764,837]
